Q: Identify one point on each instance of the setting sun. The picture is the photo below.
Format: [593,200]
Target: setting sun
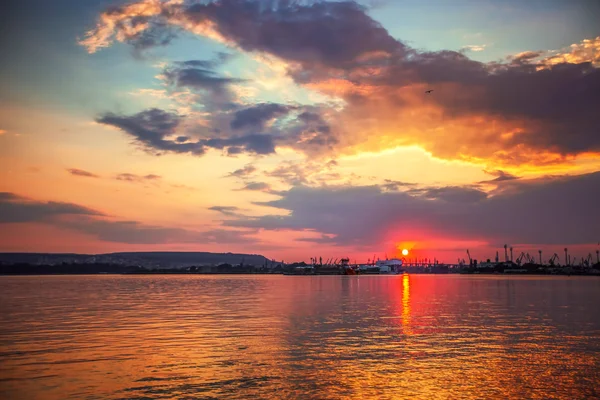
[404,252]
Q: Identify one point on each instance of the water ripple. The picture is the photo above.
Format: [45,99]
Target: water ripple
[413,337]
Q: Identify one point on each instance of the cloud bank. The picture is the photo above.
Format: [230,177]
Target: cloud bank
[532,212]
[15,209]
[537,108]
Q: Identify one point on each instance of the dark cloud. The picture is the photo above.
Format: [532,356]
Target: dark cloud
[151,127]
[544,103]
[329,33]
[551,107]
[159,33]
[253,143]
[309,117]
[257,115]
[454,194]
[535,212]
[500,176]
[234,150]
[15,209]
[198,78]
[80,172]
[220,59]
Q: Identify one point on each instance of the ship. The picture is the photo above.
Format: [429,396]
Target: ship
[343,267]
[383,267]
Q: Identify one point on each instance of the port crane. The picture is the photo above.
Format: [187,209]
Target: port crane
[553,260]
[470,259]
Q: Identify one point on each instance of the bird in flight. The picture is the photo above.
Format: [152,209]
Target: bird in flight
[429,91]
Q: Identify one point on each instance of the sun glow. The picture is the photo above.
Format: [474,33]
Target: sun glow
[404,252]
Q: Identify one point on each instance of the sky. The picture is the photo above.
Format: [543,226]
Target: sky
[299,129]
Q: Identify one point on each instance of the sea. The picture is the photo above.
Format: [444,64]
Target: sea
[299,337]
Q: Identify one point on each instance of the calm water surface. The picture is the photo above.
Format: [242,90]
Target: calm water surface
[330,337]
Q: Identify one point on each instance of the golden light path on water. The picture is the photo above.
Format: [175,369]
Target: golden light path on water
[330,337]
[406,304]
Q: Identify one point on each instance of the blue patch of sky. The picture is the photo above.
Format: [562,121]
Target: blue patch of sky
[45,66]
[506,27]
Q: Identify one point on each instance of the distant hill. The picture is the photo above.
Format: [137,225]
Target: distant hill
[145,259]
[193,258]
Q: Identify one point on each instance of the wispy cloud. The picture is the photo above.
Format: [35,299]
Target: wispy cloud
[243,172]
[474,47]
[16,209]
[257,186]
[226,210]
[128,177]
[80,172]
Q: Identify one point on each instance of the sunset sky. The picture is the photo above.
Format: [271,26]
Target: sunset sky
[299,129]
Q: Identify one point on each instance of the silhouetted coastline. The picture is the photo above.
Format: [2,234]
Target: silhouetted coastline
[289,269]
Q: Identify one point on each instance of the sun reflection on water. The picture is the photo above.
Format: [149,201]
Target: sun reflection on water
[406,304]
[299,337]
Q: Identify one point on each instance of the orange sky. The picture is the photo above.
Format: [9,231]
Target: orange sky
[293,150]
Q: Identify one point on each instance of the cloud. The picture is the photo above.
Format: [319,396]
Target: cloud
[197,74]
[525,57]
[152,127]
[453,194]
[252,143]
[587,51]
[226,210]
[500,176]
[80,172]
[134,232]
[257,115]
[15,209]
[394,185]
[257,186]
[129,23]
[535,109]
[302,173]
[533,212]
[127,177]
[474,47]
[330,33]
[243,172]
